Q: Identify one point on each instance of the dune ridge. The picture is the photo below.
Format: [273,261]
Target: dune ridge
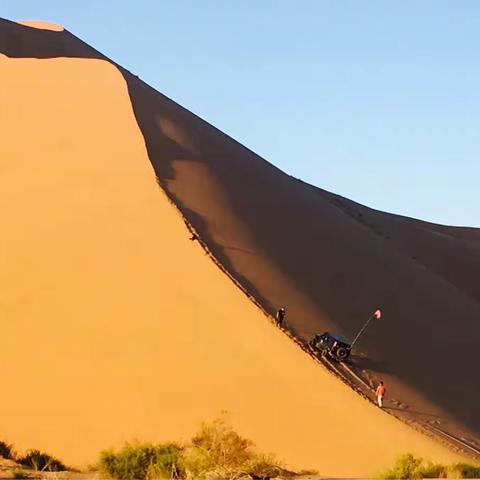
[55,27]
[285,242]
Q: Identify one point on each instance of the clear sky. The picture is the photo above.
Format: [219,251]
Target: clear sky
[378,101]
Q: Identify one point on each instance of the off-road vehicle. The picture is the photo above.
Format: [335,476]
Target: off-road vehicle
[331,346]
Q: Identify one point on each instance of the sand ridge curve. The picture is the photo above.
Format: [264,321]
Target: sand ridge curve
[107,228]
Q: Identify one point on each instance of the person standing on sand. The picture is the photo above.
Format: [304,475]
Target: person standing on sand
[280,316]
[380,393]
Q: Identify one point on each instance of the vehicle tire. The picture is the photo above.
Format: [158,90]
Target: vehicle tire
[341,353]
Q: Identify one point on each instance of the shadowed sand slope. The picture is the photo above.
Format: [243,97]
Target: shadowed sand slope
[117,326]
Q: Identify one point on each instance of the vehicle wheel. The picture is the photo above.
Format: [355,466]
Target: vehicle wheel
[341,353]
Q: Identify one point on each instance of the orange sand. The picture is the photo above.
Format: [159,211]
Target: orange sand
[116,326]
[42,25]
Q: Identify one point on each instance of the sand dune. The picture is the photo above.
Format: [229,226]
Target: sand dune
[119,327]
[55,27]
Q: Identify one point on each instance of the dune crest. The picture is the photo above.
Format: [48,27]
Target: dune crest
[55,27]
[118,326]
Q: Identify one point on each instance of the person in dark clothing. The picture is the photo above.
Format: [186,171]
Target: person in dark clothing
[280,316]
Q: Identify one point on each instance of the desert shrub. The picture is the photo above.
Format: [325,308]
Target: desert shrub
[41,461]
[140,461]
[217,451]
[406,466]
[263,467]
[463,470]
[223,444]
[197,462]
[433,470]
[6,450]
[409,467]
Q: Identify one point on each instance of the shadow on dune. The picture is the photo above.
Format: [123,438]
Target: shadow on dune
[288,243]
[371,364]
[416,413]
[230,247]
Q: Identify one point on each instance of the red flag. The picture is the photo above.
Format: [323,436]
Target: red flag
[378,314]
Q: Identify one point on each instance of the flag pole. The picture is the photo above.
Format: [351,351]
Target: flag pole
[376,315]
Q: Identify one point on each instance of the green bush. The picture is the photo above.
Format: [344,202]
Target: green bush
[225,447]
[406,466]
[463,470]
[264,467]
[197,462]
[434,470]
[41,461]
[140,461]
[216,451]
[409,467]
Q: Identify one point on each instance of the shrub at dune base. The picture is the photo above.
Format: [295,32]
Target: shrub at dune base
[217,448]
[143,461]
[41,461]
[33,459]
[409,467]
[464,470]
[6,450]
[216,451]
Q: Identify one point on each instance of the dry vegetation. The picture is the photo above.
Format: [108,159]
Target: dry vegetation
[411,467]
[216,451]
[32,459]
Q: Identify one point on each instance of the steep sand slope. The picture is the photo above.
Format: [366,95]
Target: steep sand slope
[451,252]
[116,325]
[291,246]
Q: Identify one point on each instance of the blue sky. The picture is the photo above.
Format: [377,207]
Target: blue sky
[378,101]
